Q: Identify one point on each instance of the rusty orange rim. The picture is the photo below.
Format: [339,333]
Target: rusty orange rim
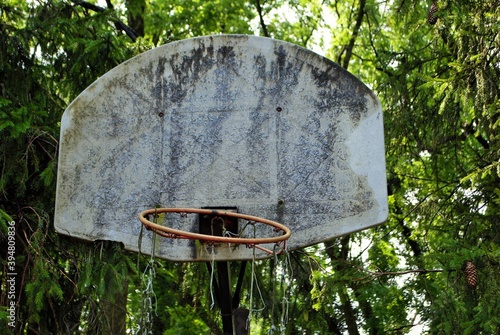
[251,242]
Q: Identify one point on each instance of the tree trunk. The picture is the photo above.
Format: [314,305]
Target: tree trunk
[339,258]
[135,15]
[115,312]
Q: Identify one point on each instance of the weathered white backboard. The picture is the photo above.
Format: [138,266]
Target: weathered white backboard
[229,120]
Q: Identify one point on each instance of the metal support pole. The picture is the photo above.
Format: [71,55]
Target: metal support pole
[228,304]
[234,319]
[225,297]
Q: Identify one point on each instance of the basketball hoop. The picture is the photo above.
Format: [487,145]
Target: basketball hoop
[250,242]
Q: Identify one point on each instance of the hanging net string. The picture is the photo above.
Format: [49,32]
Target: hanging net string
[212,272]
[285,282]
[282,272]
[149,301]
[254,282]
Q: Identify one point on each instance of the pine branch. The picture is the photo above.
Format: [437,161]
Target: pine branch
[469,129]
[375,274]
[118,23]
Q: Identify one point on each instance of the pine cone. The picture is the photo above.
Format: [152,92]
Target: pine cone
[430,16]
[470,274]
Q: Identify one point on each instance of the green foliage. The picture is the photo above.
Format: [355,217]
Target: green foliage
[4,221]
[183,320]
[180,19]
[42,289]
[439,88]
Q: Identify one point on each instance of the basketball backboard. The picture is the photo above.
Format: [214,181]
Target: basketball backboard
[226,121]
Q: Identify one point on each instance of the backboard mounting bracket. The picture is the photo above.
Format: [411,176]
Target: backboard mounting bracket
[216,225]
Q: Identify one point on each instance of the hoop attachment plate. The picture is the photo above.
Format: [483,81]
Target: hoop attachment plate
[253,242]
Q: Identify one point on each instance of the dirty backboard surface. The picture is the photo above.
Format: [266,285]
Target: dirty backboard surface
[222,121]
